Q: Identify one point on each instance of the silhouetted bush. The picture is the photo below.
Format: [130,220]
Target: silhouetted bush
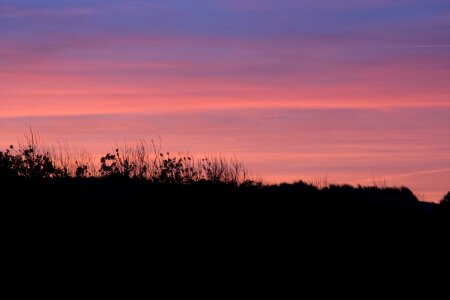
[28,163]
[8,163]
[446,200]
[113,166]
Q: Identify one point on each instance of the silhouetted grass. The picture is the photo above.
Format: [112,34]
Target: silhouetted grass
[144,179]
[34,160]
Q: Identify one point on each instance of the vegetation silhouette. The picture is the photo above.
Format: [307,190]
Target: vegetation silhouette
[143,181]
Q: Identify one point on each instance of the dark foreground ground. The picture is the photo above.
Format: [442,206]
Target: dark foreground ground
[131,229]
[287,205]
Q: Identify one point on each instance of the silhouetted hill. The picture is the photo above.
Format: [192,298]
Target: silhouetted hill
[211,192]
[285,203]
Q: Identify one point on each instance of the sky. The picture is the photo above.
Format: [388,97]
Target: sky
[344,89]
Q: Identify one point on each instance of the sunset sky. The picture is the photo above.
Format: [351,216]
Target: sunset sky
[348,89]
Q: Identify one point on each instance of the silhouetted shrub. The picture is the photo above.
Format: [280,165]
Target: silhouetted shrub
[446,200]
[174,170]
[81,170]
[8,163]
[28,163]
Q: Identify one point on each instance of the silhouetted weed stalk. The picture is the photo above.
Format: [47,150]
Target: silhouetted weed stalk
[33,159]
